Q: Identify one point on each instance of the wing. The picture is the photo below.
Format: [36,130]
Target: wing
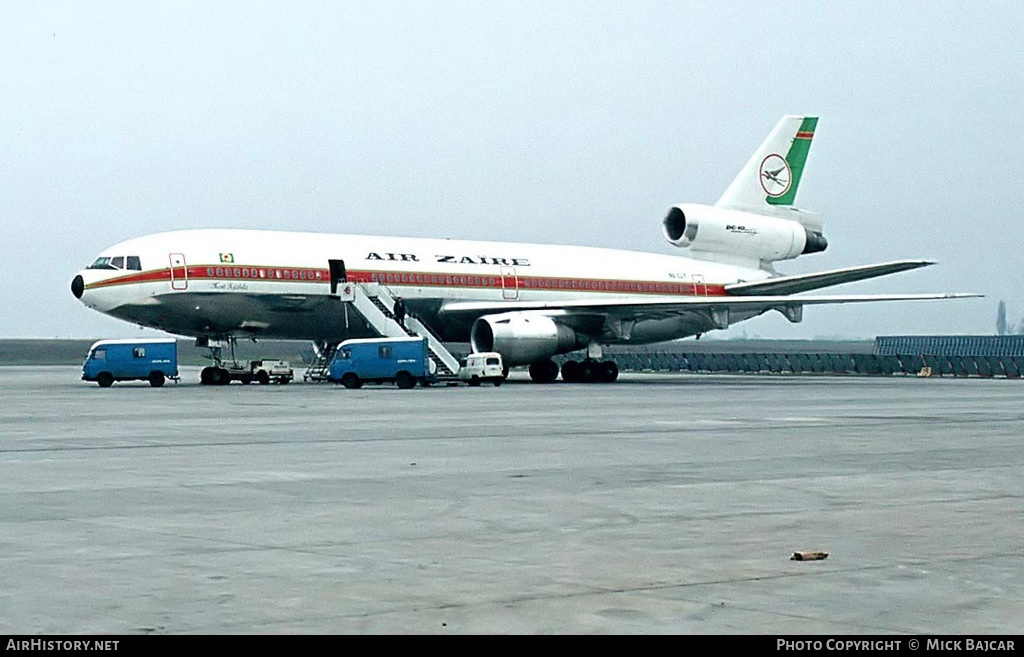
[744,300]
[613,320]
[665,307]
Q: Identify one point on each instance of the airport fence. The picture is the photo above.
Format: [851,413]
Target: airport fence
[822,363]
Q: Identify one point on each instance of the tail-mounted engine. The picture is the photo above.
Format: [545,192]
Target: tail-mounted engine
[742,234]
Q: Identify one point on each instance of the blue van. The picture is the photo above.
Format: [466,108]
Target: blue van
[405,361]
[131,360]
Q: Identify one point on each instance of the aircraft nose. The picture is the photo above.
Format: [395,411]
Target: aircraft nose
[77,286]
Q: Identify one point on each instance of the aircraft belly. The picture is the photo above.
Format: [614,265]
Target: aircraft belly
[268,316]
[298,317]
[324,318]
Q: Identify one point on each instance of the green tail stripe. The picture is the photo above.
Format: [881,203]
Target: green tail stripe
[797,157]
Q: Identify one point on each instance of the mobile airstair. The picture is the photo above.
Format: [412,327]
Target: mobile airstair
[374,303]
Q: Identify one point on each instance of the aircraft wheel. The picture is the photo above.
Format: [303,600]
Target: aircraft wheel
[571,371]
[217,376]
[351,381]
[206,376]
[588,371]
[404,380]
[609,371]
[156,379]
[105,379]
[545,371]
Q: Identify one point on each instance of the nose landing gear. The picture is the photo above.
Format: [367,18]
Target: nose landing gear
[217,374]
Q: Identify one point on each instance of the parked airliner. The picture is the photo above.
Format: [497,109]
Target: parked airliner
[529,302]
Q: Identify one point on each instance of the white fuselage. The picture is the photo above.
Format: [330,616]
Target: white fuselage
[270,284]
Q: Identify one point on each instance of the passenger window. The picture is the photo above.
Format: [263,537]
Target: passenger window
[492,361]
[118,262]
[384,352]
[139,352]
[134,263]
[99,354]
[345,354]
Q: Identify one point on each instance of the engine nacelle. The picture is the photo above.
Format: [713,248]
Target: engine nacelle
[523,338]
[737,233]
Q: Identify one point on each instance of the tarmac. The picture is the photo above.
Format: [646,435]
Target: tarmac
[661,504]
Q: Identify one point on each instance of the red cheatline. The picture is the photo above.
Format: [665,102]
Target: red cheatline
[804,135]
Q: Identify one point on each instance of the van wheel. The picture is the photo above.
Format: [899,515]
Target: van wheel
[105,379]
[497,382]
[351,381]
[404,380]
[156,379]
[475,381]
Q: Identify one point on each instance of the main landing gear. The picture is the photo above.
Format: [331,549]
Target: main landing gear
[588,370]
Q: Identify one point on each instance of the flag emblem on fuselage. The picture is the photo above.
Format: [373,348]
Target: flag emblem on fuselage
[227,257]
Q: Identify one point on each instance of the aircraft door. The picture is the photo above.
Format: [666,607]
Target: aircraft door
[338,274]
[509,283]
[179,272]
[700,288]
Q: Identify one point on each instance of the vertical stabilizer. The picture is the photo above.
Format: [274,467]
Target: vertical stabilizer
[772,175]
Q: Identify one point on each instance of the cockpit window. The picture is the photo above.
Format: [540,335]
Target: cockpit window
[132,263]
[102,263]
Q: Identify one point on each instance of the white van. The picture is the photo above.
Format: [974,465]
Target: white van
[485,366]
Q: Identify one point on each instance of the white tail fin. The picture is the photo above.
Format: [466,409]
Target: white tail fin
[771,177]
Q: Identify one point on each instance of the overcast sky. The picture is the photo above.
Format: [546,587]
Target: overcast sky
[563,122]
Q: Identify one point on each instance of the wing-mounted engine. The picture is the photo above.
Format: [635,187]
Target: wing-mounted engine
[703,228]
[523,337]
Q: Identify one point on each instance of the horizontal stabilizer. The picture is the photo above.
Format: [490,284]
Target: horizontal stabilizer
[818,280]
